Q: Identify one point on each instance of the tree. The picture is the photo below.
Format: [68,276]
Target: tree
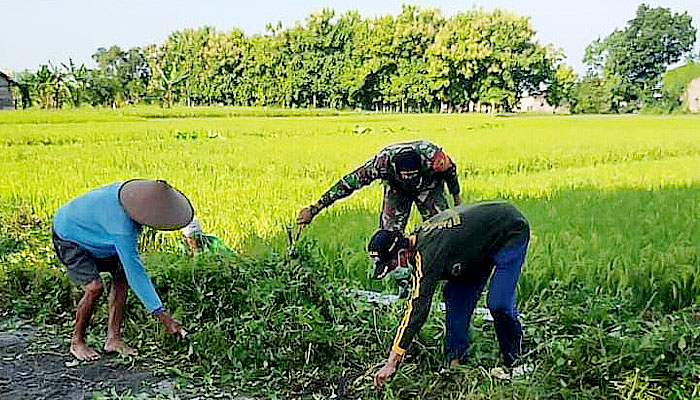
[414,32]
[168,82]
[676,81]
[372,64]
[182,65]
[223,66]
[49,86]
[638,55]
[121,76]
[594,95]
[76,81]
[492,58]
[562,88]
[263,80]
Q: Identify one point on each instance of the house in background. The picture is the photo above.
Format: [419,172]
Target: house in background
[691,96]
[535,104]
[6,100]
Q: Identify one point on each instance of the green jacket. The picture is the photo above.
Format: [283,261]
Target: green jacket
[209,243]
[456,244]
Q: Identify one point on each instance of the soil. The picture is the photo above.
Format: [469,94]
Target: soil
[33,366]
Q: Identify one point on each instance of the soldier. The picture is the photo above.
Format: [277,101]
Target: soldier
[98,231]
[413,172]
[464,246]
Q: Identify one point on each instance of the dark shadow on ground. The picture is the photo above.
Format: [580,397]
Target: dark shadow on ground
[34,365]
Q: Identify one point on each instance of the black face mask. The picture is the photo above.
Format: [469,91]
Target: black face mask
[408,167]
[410,179]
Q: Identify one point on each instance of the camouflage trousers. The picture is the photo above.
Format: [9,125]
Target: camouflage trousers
[397,205]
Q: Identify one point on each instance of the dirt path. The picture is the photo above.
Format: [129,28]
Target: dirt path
[33,367]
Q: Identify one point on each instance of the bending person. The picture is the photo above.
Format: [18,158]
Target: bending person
[413,172]
[195,241]
[98,231]
[464,246]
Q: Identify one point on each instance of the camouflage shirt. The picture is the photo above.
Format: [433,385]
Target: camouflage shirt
[382,167]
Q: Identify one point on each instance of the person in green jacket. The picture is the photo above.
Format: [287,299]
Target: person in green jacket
[464,246]
[196,241]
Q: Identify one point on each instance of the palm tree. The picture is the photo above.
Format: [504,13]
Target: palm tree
[168,81]
[50,86]
[76,81]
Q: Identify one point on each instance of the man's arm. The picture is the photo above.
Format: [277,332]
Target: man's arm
[453,182]
[141,284]
[446,169]
[136,274]
[423,282]
[362,176]
[450,176]
[417,310]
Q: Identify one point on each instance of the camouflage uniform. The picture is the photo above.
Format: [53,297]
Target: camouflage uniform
[428,194]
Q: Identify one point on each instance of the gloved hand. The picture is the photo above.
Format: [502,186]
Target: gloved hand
[402,277]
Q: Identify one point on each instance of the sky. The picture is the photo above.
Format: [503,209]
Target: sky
[34,32]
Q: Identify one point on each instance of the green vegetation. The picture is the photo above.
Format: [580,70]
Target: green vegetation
[609,293]
[418,60]
[627,66]
[676,81]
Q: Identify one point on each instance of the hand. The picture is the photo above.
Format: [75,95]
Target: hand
[384,374]
[305,216]
[387,370]
[458,200]
[172,325]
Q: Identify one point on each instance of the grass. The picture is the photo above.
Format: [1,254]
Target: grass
[609,292]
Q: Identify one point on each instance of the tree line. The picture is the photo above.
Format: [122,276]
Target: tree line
[626,69]
[416,61]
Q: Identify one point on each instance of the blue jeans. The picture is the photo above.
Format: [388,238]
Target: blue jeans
[461,298]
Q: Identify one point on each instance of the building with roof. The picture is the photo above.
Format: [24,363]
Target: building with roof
[691,96]
[536,103]
[6,99]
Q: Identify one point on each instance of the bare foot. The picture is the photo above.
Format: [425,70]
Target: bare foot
[83,353]
[454,363]
[119,346]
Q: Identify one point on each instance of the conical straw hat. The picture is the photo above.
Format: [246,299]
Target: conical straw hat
[156,204]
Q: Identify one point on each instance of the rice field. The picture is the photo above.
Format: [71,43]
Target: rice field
[248,174]
[614,201]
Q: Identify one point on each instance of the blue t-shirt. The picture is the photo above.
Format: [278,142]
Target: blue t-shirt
[96,221]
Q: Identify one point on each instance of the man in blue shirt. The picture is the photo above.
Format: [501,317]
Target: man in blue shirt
[98,231]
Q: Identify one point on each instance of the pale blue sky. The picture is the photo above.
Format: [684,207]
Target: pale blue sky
[33,32]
